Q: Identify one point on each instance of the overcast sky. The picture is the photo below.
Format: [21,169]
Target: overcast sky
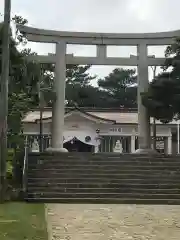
[99,16]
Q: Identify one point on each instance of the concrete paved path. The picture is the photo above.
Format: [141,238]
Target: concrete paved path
[112,222]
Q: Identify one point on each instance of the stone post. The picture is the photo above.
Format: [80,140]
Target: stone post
[143,118]
[96,149]
[169,145]
[133,138]
[58,110]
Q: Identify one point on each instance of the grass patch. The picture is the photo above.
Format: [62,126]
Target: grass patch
[22,221]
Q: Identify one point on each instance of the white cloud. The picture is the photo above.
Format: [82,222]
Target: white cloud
[141,9]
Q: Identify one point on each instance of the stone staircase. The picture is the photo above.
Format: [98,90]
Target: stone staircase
[103,178]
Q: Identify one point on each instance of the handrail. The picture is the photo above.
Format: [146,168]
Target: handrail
[25,165]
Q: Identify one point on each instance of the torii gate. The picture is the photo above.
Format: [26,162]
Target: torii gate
[101,40]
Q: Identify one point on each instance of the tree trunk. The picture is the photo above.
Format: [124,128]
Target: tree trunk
[4,97]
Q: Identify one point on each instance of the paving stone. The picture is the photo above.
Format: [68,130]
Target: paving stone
[108,221]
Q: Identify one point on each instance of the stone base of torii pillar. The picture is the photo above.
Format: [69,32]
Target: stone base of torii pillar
[56,150]
[146,151]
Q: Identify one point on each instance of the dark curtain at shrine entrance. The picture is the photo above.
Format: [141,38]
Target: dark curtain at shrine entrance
[77,146]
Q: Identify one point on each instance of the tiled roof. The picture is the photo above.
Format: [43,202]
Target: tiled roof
[118,117]
[35,115]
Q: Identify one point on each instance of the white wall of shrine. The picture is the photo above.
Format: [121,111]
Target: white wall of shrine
[80,127]
[132,129]
[89,127]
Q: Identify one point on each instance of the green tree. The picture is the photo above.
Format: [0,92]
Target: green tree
[22,80]
[120,85]
[78,75]
[28,78]
[86,96]
[78,85]
[77,81]
[163,97]
[24,84]
[159,99]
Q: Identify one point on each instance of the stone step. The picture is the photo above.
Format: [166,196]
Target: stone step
[124,168]
[82,175]
[106,166]
[104,185]
[99,180]
[108,200]
[104,162]
[105,170]
[98,190]
[86,177]
[108,160]
[103,195]
[107,175]
[75,155]
[86,155]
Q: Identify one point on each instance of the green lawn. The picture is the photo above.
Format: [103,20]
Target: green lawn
[22,221]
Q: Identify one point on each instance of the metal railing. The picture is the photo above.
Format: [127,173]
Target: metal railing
[29,139]
[44,140]
[25,165]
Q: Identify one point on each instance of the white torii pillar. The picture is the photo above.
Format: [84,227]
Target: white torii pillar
[143,117]
[58,109]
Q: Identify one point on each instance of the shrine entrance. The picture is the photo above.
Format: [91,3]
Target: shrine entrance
[76,145]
